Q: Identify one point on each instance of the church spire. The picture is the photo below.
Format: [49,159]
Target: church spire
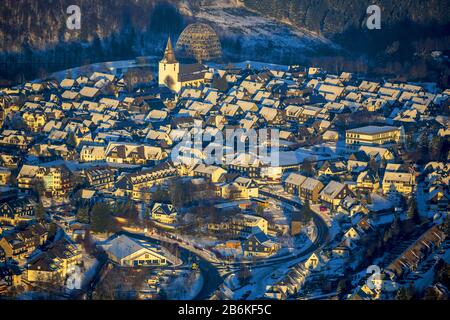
[169,54]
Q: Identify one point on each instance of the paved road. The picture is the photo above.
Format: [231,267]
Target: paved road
[211,277]
[321,238]
[212,280]
[322,228]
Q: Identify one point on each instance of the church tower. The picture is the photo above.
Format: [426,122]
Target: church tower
[169,69]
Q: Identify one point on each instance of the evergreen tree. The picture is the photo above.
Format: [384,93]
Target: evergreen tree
[244,274]
[342,287]
[413,213]
[307,167]
[69,74]
[40,212]
[71,140]
[259,210]
[130,212]
[423,146]
[101,218]
[97,48]
[160,195]
[147,217]
[83,215]
[435,148]
[52,230]
[395,227]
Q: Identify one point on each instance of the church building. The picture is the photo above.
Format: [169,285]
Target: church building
[176,75]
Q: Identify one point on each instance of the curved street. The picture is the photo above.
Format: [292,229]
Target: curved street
[320,240]
[209,269]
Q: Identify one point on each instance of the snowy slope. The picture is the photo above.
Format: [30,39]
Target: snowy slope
[251,29]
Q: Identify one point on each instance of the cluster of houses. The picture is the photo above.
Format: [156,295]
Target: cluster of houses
[436,185]
[341,140]
[339,185]
[330,262]
[252,234]
[412,264]
[28,258]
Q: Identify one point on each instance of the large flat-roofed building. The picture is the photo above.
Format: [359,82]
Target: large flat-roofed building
[372,135]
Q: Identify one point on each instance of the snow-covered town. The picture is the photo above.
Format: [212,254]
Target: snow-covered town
[102,198]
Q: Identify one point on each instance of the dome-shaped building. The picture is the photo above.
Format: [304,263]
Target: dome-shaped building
[200,42]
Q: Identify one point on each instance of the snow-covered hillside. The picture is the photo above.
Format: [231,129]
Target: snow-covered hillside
[237,26]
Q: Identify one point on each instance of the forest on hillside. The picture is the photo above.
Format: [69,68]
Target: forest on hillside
[35,40]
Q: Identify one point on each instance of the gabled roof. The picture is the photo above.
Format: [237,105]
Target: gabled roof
[295,179]
[360,156]
[310,184]
[123,246]
[332,189]
[163,208]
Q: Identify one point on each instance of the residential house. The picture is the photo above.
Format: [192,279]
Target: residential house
[259,245]
[332,195]
[55,263]
[20,244]
[17,210]
[92,154]
[247,165]
[310,189]
[240,188]
[357,161]
[272,116]
[245,224]
[351,235]
[377,153]
[10,277]
[438,199]
[164,213]
[314,262]
[15,139]
[411,258]
[55,180]
[293,182]
[137,185]
[35,120]
[368,181]
[126,153]
[398,182]
[335,168]
[5,176]
[100,178]
[309,112]
[211,173]
[293,112]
